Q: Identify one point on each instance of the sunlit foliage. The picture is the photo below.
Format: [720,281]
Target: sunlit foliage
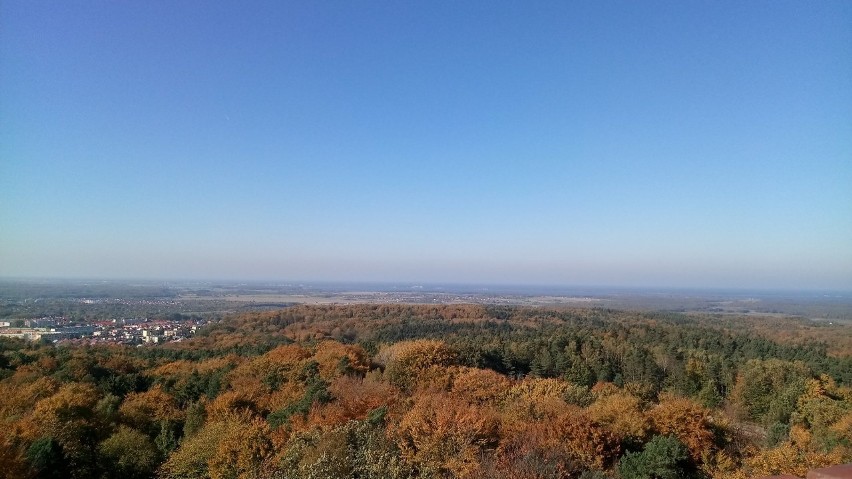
[417,392]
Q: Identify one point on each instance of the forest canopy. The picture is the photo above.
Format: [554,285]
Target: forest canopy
[453,391]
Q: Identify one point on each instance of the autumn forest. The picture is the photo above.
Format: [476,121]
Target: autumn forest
[450,391]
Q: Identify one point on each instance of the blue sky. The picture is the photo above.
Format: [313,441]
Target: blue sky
[699,144]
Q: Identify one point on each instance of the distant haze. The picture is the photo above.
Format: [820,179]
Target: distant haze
[632,144]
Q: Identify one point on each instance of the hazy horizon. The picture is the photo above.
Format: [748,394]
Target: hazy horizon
[532,288]
[616,144]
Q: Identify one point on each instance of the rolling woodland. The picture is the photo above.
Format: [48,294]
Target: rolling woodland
[445,391]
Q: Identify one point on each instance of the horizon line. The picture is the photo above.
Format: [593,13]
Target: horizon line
[409,283]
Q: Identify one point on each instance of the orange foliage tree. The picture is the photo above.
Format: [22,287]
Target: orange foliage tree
[406,361]
[146,410]
[446,436]
[622,414]
[686,420]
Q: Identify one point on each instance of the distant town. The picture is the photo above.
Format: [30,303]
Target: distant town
[132,331]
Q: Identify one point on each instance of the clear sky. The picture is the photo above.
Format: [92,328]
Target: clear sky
[679,143]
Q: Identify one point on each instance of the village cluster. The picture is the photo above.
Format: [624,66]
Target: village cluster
[134,331]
